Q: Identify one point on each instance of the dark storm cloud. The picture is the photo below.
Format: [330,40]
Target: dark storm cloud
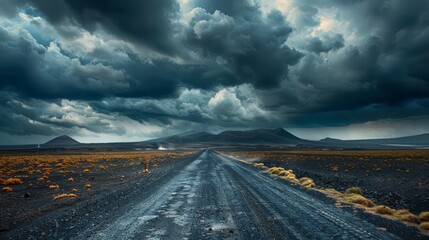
[29,116]
[150,23]
[386,67]
[247,45]
[157,63]
[325,43]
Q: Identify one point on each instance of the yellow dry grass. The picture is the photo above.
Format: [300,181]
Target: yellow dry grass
[424,225]
[411,218]
[358,199]
[12,181]
[88,186]
[65,195]
[307,182]
[354,190]
[54,187]
[70,179]
[384,210]
[7,189]
[424,216]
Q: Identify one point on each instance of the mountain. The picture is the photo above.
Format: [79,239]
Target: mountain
[259,136]
[183,134]
[63,140]
[422,139]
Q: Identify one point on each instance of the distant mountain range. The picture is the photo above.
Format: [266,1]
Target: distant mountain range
[257,136]
[422,139]
[277,136]
[63,140]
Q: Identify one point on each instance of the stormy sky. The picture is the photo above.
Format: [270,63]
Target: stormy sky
[133,70]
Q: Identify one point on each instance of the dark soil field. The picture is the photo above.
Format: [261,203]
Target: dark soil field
[395,178]
[45,176]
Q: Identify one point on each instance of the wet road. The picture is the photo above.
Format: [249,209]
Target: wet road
[215,197]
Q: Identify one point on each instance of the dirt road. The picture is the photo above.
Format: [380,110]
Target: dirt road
[212,197]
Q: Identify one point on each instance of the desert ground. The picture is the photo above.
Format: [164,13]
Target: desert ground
[395,178]
[207,194]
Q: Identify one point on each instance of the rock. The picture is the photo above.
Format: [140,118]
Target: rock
[26,195]
[4,229]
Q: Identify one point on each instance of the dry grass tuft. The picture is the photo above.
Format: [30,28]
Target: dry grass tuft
[40,179]
[286,173]
[65,195]
[424,225]
[402,212]
[354,190]
[411,218]
[101,167]
[384,210]
[54,187]
[88,186]
[275,170]
[258,164]
[70,179]
[7,189]
[12,181]
[74,190]
[307,182]
[333,193]
[86,170]
[358,199]
[424,216]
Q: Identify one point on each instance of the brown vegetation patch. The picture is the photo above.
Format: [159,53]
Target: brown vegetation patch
[424,216]
[383,210]
[12,181]
[424,225]
[7,189]
[65,195]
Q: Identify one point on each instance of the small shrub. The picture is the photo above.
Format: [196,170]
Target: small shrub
[70,179]
[12,181]
[40,179]
[402,212]
[383,210]
[424,225]
[74,190]
[285,173]
[65,195]
[333,193]
[307,182]
[291,177]
[411,218]
[359,199]
[86,170]
[424,216]
[354,190]
[7,189]
[88,186]
[101,167]
[276,170]
[54,187]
